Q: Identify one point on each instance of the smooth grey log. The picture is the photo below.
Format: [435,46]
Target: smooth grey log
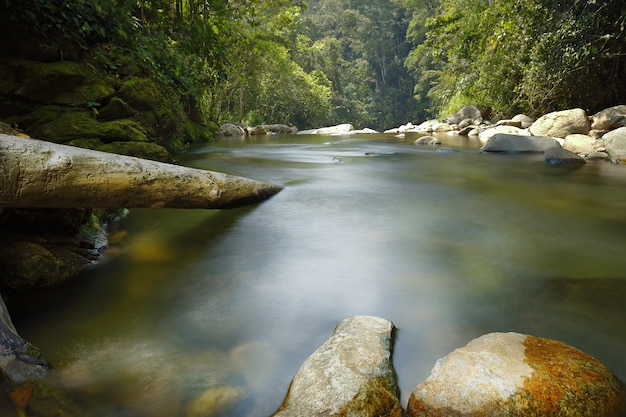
[35,173]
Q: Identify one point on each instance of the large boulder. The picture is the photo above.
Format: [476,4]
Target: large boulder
[511,374]
[231,129]
[502,142]
[472,113]
[609,119]
[561,123]
[615,144]
[349,375]
[340,129]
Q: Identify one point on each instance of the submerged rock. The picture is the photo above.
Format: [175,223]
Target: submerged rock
[349,375]
[562,157]
[511,374]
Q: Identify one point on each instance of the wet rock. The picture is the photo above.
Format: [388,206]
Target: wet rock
[349,375]
[562,157]
[597,155]
[609,119]
[502,142]
[427,140]
[511,374]
[615,144]
[561,123]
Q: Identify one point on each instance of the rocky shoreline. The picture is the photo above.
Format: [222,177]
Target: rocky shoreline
[495,375]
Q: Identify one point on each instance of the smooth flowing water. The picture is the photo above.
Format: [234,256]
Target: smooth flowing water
[226,305]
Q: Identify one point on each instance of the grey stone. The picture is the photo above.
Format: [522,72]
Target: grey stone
[502,142]
[349,375]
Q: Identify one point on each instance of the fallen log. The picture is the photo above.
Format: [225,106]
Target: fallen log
[35,173]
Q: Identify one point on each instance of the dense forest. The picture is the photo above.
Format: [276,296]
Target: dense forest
[371,63]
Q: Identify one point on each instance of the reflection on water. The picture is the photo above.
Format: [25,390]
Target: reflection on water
[205,308]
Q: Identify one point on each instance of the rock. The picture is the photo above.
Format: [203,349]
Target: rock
[444,149]
[524,120]
[231,129]
[486,134]
[116,109]
[279,128]
[578,143]
[427,140]
[351,374]
[562,157]
[597,155]
[615,144]
[257,131]
[468,112]
[561,123]
[510,374]
[508,122]
[72,125]
[502,142]
[335,130]
[340,129]
[19,360]
[609,119]
[366,130]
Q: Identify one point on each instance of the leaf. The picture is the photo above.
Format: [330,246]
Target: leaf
[21,396]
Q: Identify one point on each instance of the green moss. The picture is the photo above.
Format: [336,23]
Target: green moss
[145,150]
[141,94]
[67,126]
[194,133]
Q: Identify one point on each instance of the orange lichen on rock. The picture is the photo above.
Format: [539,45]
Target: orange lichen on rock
[569,382]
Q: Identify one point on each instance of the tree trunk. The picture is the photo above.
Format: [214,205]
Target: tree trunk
[35,173]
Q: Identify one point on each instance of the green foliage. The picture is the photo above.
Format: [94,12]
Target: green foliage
[79,22]
[360,47]
[530,56]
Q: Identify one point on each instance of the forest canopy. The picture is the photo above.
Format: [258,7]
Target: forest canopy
[371,63]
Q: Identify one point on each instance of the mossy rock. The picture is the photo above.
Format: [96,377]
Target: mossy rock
[146,150]
[62,82]
[195,133]
[116,109]
[86,143]
[141,94]
[81,124]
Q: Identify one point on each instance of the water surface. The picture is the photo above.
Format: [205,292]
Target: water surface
[447,245]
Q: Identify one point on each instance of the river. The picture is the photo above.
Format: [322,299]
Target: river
[446,245]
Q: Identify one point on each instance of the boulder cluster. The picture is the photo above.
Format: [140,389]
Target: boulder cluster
[567,136]
[495,375]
